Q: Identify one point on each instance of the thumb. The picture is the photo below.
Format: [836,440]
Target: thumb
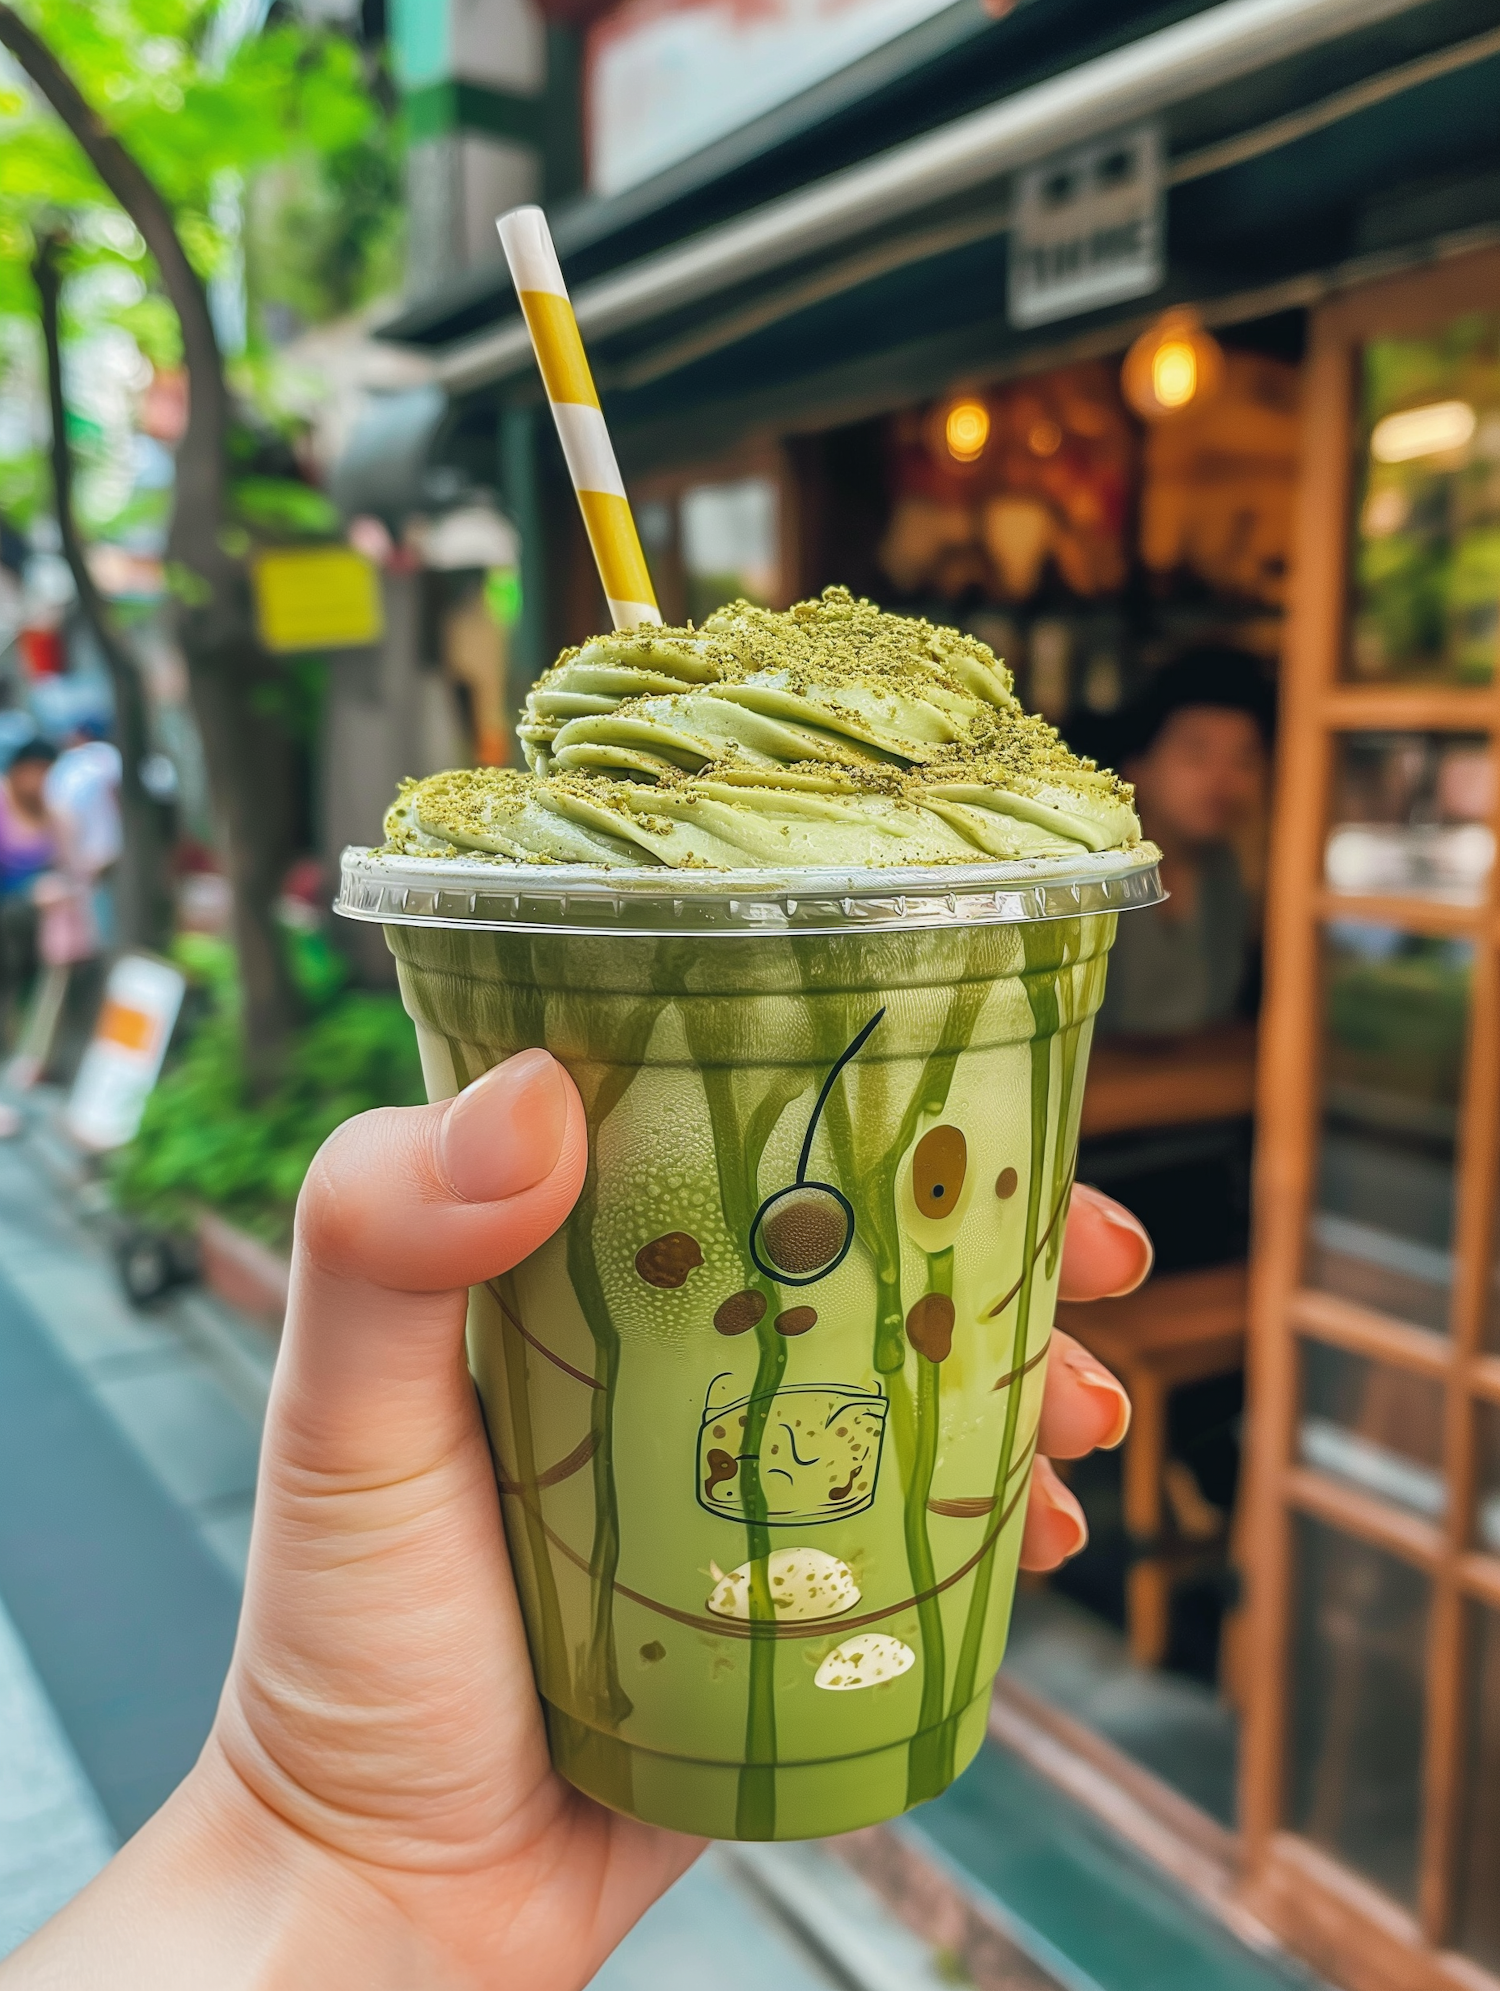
[427,1199]
[402,1210]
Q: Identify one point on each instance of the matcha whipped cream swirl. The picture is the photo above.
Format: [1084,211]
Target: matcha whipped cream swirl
[829,733]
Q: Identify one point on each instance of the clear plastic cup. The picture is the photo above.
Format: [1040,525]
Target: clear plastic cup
[763,1412]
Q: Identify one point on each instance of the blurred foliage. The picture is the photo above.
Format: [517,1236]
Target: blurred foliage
[296,697]
[1427,556]
[152,69]
[1397,1015]
[285,129]
[203,1141]
[326,235]
[281,508]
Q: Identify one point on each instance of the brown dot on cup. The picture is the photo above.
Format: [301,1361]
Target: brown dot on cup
[938,1168]
[1005,1183]
[666,1261]
[654,1651]
[721,1467]
[929,1326]
[804,1230]
[796,1320]
[740,1312]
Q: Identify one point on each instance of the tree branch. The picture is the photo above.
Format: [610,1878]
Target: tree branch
[200,489]
[47,278]
[146,908]
[251,762]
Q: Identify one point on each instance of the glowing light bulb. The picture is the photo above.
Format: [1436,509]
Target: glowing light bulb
[1174,373]
[1173,367]
[967,430]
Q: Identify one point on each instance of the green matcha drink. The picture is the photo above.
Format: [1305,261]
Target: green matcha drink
[817,919]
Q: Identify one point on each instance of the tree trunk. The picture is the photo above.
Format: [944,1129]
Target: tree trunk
[247,750]
[143,893]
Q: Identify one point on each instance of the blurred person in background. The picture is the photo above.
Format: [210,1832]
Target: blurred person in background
[28,848]
[81,795]
[1196,745]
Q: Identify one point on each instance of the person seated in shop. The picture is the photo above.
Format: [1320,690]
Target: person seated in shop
[1196,744]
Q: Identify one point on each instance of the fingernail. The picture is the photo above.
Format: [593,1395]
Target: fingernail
[505,1131]
[1099,1382]
[1062,1503]
[1120,1219]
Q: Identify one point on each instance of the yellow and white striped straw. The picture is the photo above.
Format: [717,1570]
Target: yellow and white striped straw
[580,422]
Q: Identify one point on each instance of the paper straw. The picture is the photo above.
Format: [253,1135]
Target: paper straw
[580,421]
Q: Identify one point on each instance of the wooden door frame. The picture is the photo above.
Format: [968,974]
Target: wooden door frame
[1329,1913]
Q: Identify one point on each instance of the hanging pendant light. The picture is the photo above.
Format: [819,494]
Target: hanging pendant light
[1174,366]
[961,430]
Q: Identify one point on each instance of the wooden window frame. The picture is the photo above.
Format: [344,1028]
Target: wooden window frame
[1339,1920]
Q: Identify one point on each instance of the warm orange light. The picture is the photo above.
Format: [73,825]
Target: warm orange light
[1174,373]
[1044,439]
[966,430]
[1173,367]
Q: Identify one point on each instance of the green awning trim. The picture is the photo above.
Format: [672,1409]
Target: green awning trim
[441,108]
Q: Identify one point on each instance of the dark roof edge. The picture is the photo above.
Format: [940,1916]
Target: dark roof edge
[585,221]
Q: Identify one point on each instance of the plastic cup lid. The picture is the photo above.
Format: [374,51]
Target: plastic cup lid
[650,900]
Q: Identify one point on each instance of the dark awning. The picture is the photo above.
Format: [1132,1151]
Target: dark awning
[1307,141]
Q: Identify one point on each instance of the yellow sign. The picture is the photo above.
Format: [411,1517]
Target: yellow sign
[316,598]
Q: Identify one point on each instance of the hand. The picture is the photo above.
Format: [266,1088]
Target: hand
[375,1805]
[1106,1253]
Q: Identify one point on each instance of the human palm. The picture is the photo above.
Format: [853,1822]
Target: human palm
[376,1800]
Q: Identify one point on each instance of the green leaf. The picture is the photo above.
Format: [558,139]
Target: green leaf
[189,586]
[283,507]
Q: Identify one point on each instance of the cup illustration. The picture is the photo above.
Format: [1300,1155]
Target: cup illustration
[763,1412]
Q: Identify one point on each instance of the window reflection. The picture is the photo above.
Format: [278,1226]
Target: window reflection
[1411,814]
[1427,536]
[1487,1505]
[1358,1659]
[1395,1007]
[1373,1427]
[730,543]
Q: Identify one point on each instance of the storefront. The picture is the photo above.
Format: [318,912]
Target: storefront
[820,365]
[1370,1762]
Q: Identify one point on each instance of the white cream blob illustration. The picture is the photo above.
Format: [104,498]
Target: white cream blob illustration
[804,1583]
[864,1661]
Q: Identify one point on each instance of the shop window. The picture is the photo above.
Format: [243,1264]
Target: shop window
[1426,565]
[1374,1428]
[1411,815]
[1477,1929]
[730,543]
[1354,1742]
[1216,497]
[1395,1012]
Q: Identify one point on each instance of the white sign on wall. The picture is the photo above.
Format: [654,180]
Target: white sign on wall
[1089,228]
[667,77]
